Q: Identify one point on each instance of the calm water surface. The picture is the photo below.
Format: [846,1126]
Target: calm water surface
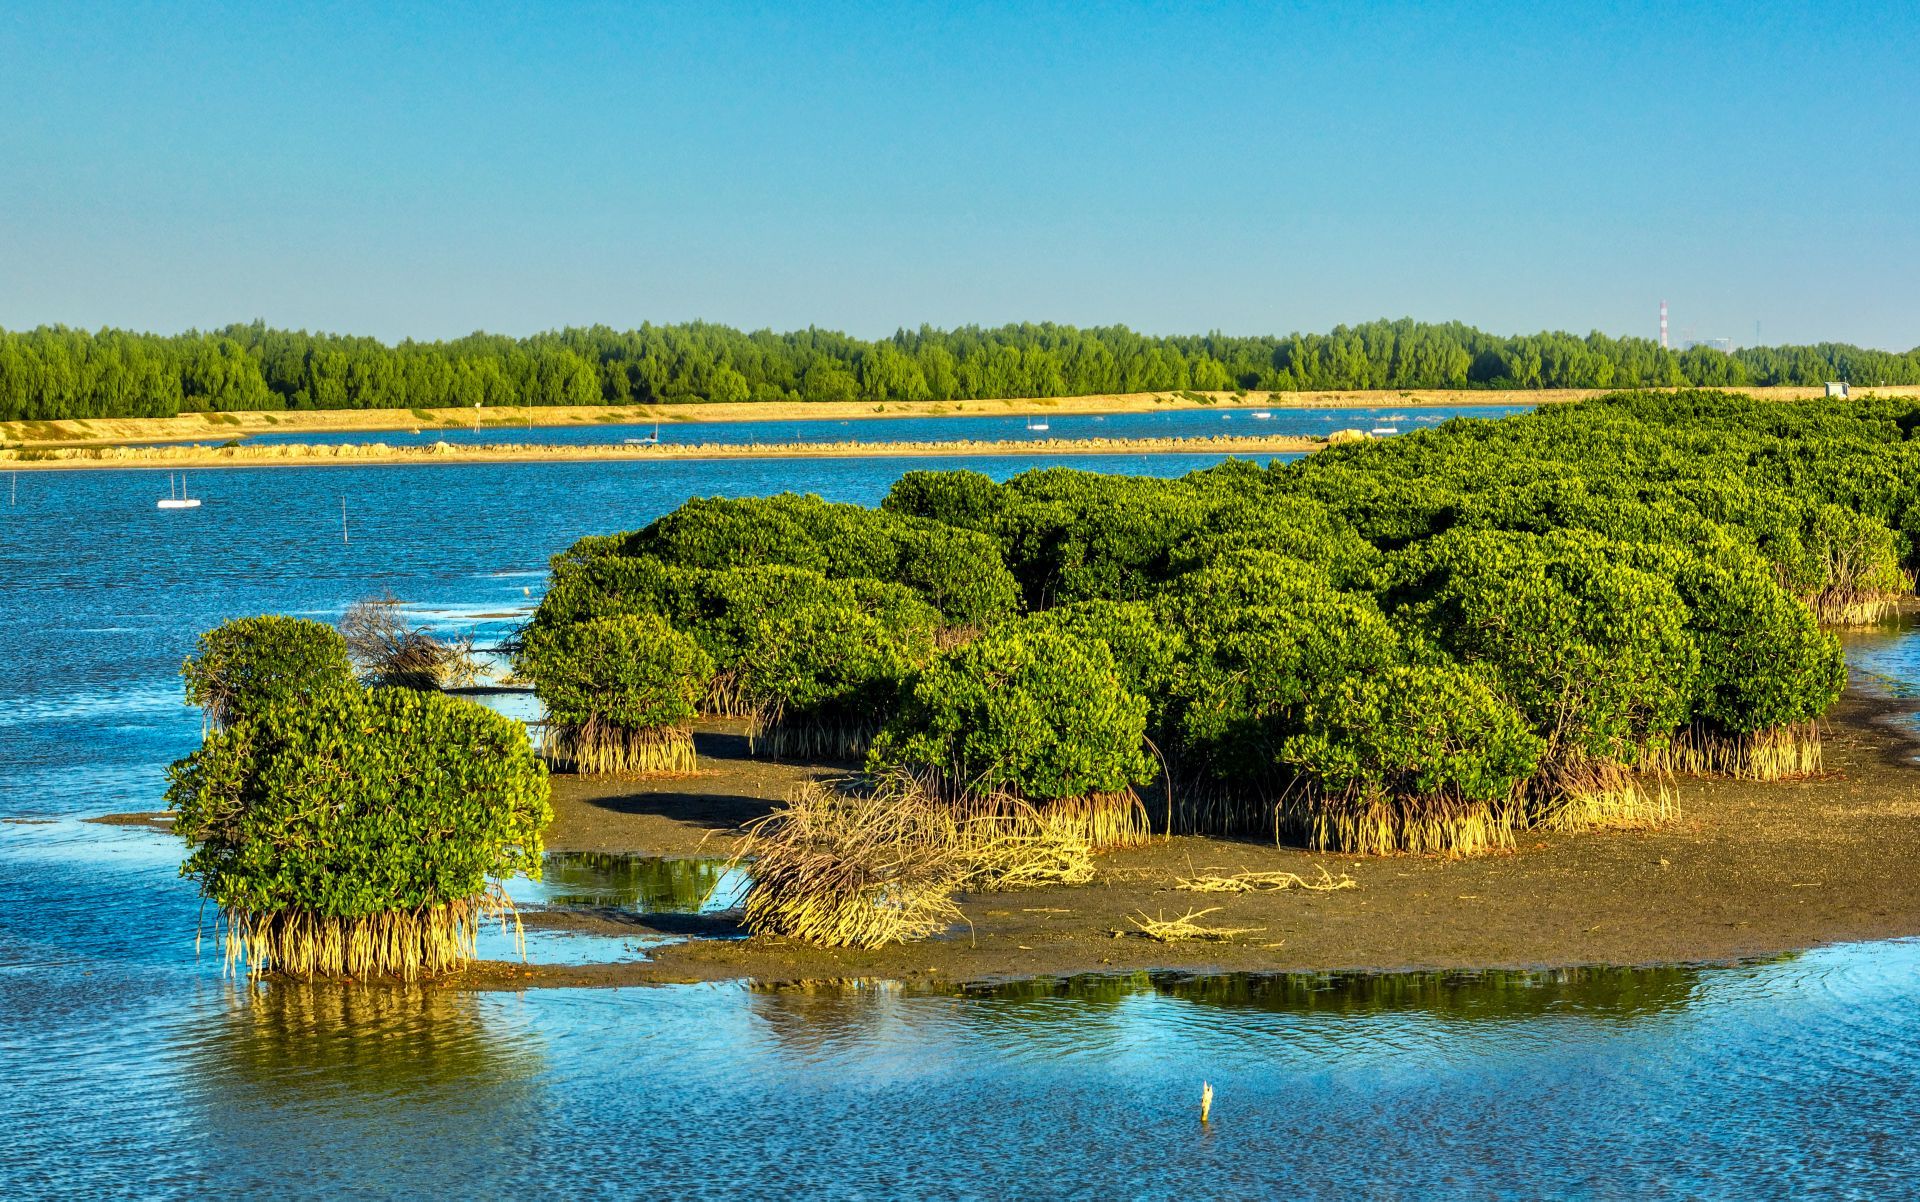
[133,1069]
[1181,423]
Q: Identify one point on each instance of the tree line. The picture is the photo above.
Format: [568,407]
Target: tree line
[54,372]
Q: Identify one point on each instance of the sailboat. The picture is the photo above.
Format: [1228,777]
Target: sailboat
[650,440]
[1037,425]
[183,501]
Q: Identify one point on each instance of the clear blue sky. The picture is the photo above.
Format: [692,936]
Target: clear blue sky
[1248,168]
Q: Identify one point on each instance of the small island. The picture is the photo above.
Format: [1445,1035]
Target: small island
[1558,689]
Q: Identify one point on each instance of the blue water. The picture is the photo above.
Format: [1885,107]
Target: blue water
[1171,423]
[133,1069]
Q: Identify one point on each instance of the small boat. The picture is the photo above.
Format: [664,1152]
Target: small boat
[1037,425]
[651,440]
[1382,431]
[1261,415]
[183,501]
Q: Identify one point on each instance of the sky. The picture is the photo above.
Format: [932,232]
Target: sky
[427,170]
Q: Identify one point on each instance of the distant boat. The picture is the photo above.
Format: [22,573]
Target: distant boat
[1037,425]
[183,501]
[651,440]
[1261,415]
[1383,431]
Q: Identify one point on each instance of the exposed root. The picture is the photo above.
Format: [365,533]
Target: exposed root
[1186,927]
[1780,753]
[1597,795]
[726,698]
[1834,606]
[1371,825]
[1262,882]
[787,738]
[600,749]
[406,944]
[1099,820]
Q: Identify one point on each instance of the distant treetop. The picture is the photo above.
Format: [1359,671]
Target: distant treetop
[53,372]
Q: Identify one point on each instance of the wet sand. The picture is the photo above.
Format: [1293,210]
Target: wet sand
[1749,870]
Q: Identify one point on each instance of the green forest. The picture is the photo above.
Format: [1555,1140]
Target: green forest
[53,372]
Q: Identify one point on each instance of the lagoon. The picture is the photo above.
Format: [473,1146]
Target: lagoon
[138,1070]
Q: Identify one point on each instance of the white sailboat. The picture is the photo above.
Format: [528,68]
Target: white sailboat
[650,440]
[183,501]
[1037,425]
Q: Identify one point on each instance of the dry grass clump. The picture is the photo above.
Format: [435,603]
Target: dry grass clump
[597,748]
[389,651]
[847,870]
[406,944]
[1263,882]
[1780,753]
[844,867]
[1186,927]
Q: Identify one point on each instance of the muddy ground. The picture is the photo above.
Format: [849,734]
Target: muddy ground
[1749,870]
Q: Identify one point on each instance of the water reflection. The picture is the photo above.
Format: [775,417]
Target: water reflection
[644,884]
[330,1089]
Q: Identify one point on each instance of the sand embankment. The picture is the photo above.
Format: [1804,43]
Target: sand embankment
[192,426]
[377,454]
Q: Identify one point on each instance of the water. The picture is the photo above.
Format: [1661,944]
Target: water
[1170,423]
[135,1070]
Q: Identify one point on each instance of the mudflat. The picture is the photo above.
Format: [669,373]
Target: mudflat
[1750,869]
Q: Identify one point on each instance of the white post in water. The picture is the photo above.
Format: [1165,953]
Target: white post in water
[343,517]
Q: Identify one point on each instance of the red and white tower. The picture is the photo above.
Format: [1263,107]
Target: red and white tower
[1663,325]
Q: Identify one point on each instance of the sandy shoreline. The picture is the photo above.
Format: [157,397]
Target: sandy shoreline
[109,431]
[379,454]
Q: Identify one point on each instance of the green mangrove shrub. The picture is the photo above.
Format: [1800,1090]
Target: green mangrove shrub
[958,572]
[359,832]
[618,693]
[245,666]
[1416,758]
[1767,669]
[823,675]
[1594,652]
[1033,717]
